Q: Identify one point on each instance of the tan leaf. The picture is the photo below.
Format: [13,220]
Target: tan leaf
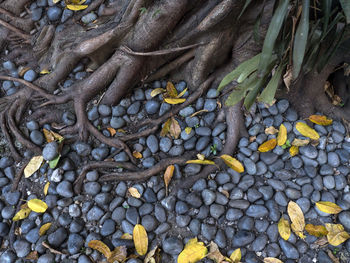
[198,112]
[316,230]
[268,145]
[201,162]
[169,172]
[193,252]
[214,253]
[282,135]
[112,131]
[328,207]
[174,101]
[150,257]
[171,90]
[236,256]
[294,150]
[336,234]
[140,239]
[37,205]
[118,255]
[33,255]
[307,131]
[46,188]
[174,129]
[181,93]
[271,130]
[100,247]
[272,260]
[225,192]
[297,217]
[320,120]
[76,7]
[33,166]
[233,163]
[284,228]
[134,192]
[252,138]
[126,236]
[188,130]
[48,135]
[287,78]
[121,131]
[22,214]
[157,91]
[137,154]
[43,229]
[166,128]
[300,142]
[200,156]
[57,136]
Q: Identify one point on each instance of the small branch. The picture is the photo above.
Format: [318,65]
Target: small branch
[18,177]
[17,31]
[159,52]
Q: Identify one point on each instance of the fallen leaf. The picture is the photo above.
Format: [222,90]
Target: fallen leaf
[236,256]
[22,214]
[150,257]
[37,205]
[51,136]
[282,135]
[328,207]
[134,192]
[271,130]
[121,131]
[100,247]
[201,162]
[140,239]
[174,101]
[320,120]
[188,130]
[157,91]
[174,128]
[181,93]
[112,131]
[225,192]
[119,254]
[272,260]
[200,156]
[297,217]
[198,112]
[126,236]
[57,136]
[169,172]
[46,188]
[214,253]
[268,145]
[171,90]
[307,131]
[166,128]
[193,252]
[33,255]
[233,163]
[53,163]
[287,78]
[300,142]
[44,71]
[316,230]
[33,166]
[294,150]
[137,154]
[321,242]
[336,234]
[43,229]
[76,7]
[284,228]
[252,138]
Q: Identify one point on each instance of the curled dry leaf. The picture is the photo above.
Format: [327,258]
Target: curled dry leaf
[293,150]
[137,154]
[174,128]
[328,207]
[320,120]
[236,255]
[171,90]
[140,238]
[284,228]
[297,217]
[336,234]
[181,93]
[22,214]
[152,255]
[307,131]
[300,142]
[100,247]
[272,260]
[214,253]
[282,135]
[76,7]
[198,112]
[134,192]
[157,91]
[174,101]
[43,229]
[268,145]
[112,131]
[119,254]
[33,255]
[316,230]
[193,252]
[46,188]
[233,163]
[33,165]
[166,128]
[271,130]
[201,162]
[37,205]
[169,172]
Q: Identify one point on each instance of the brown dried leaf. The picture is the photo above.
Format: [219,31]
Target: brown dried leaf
[271,130]
[134,192]
[198,112]
[181,93]
[282,135]
[33,255]
[268,145]
[169,172]
[287,78]
[284,228]
[214,253]
[150,257]
[100,247]
[320,120]
[112,131]
[336,234]
[166,128]
[300,142]
[174,129]
[316,230]
[297,217]
[118,255]
[157,91]
[43,229]
[328,207]
[333,258]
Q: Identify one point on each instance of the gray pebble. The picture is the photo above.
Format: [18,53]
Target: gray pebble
[54,13]
[152,106]
[88,18]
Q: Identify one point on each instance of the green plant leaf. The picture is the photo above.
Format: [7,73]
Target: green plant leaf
[345,4]
[253,93]
[247,2]
[53,163]
[269,92]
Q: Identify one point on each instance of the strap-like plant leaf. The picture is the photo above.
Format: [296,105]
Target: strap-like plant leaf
[269,92]
[345,4]
[241,90]
[251,96]
[247,2]
[326,9]
[300,40]
[271,36]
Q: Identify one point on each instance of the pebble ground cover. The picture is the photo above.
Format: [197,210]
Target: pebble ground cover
[249,212]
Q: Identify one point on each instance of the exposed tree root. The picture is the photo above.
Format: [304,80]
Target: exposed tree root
[7,135]
[16,31]
[18,177]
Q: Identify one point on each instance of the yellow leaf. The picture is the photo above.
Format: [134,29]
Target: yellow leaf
[126,236]
[236,256]
[297,217]
[121,130]
[46,188]
[37,205]
[318,231]
[134,192]
[300,142]
[268,145]
[336,234]
[174,101]
[282,135]
[43,229]
[198,112]
[171,90]
[201,162]
[137,154]
[320,120]
[77,7]
[140,239]
[271,130]
[174,128]
[188,130]
[233,163]
[294,150]
[193,252]
[214,253]
[44,71]
[169,172]
[157,91]
[56,1]
[100,247]
[328,207]
[181,93]
[284,228]
[166,128]
[48,135]
[57,136]
[33,166]
[22,214]
[272,260]
[307,131]
[112,131]
[117,255]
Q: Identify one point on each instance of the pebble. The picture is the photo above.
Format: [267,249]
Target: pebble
[172,245]
[333,159]
[88,18]
[75,243]
[152,143]
[21,247]
[210,105]
[37,137]
[242,238]
[288,249]
[50,151]
[152,106]
[134,108]
[54,13]
[57,237]
[30,75]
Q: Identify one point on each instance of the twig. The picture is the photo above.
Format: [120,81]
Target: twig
[15,30]
[159,52]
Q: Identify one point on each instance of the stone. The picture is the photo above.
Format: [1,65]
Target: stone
[210,105]
[216,210]
[152,106]
[172,245]
[257,211]
[94,214]
[152,143]
[288,249]
[333,159]
[21,247]
[57,237]
[75,243]
[82,148]
[65,189]
[259,243]
[54,13]
[50,151]
[108,227]
[134,108]
[37,137]
[344,219]
[242,238]
[88,18]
